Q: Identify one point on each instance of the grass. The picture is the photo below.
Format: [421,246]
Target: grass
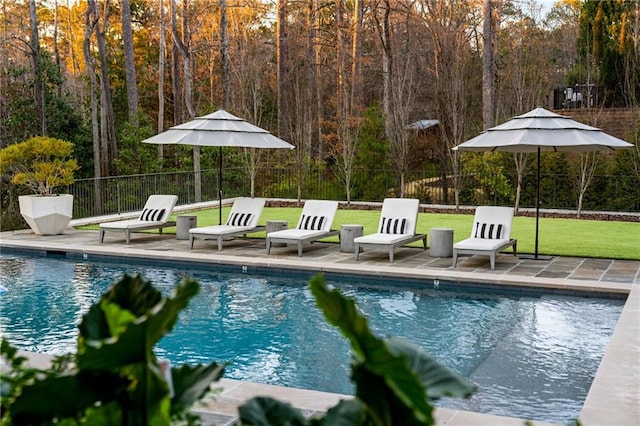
[559,237]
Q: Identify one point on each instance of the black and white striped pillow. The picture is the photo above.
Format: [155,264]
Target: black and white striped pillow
[239,219]
[393,226]
[152,215]
[312,223]
[488,231]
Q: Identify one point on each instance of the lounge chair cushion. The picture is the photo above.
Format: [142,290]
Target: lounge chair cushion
[152,215]
[489,231]
[391,225]
[313,223]
[381,238]
[239,219]
[480,244]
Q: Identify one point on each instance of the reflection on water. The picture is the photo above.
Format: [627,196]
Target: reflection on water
[531,357]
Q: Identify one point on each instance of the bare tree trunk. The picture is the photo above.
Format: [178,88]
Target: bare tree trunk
[319,103]
[107,118]
[344,157]
[129,63]
[282,64]
[90,25]
[79,93]
[397,93]
[56,50]
[356,54]
[176,82]
[521,163]
[588,165]
[452,78]
[224,54]
[35,57]
[487,66]
[183,44]
[348,95]
[161,64]
[310,76]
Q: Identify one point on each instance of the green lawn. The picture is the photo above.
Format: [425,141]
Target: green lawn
[560,237]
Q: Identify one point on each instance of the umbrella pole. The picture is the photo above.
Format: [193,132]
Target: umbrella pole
[220,186]
[535,255]
[537,203]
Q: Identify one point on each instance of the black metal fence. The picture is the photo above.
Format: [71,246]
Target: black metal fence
[121,194]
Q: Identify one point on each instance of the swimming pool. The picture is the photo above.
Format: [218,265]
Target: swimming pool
[533,355]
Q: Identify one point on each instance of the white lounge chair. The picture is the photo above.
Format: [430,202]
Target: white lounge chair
[314,224]
[242,220]
[490,234]
[154,215]
[397,227]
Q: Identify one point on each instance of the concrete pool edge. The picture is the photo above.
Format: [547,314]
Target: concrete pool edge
[613,399]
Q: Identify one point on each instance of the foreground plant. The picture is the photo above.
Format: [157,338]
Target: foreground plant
[395,381]
[114,378]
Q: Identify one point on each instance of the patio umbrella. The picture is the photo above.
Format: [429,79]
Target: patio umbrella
[542,130]
[219,129]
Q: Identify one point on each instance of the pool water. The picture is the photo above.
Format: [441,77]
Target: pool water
[532,356]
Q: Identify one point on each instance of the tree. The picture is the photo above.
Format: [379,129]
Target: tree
[453,68]
[183,44]
[348,96]
[604,41]
[35,55]
[130,69]
[107,117]
[162,43]
[394,38]
[524,51]
[587,166]
[489,38]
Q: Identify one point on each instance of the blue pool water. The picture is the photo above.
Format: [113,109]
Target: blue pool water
[532,355]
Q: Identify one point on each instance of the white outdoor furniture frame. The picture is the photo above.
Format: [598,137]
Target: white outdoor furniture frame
[243,219]
[403,214]
[155,215]
[314,224]
[488,215]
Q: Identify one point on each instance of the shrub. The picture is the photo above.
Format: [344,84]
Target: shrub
[42,164]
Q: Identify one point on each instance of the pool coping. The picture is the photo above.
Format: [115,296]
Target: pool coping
[614,396]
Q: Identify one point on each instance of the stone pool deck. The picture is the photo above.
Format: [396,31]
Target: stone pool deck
[613,399]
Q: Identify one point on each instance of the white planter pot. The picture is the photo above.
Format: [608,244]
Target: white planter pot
[48,215]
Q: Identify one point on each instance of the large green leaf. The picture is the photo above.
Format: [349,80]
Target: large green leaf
[135,294]
[263,411]
[384,406]
[135,344]
[149,395]
[438,379]
[66,396]
[372,351]
[130,298]
[348,412]
[162,321]
[130,350]
[190,384]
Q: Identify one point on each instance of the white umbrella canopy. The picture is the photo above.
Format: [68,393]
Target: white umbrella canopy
[542,130]
[220,129]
